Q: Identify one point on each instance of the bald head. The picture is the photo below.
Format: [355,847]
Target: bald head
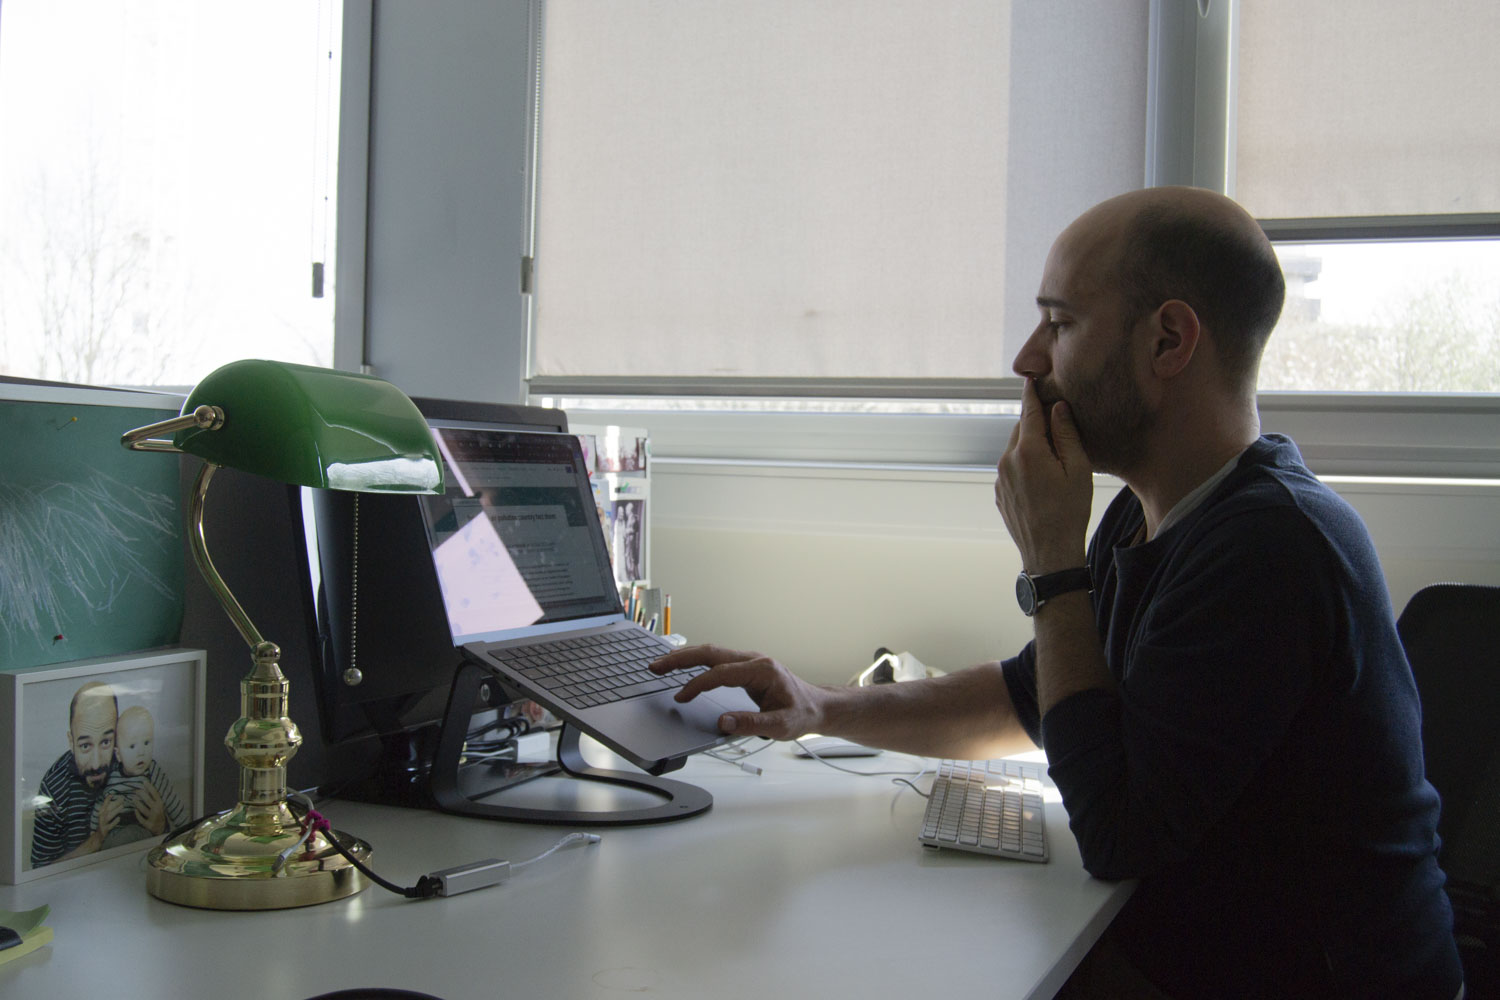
[1201,248]
[92,717]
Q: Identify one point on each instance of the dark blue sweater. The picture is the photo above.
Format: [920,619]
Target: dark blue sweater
[1260,767]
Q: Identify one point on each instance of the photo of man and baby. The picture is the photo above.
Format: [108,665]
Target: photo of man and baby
[108,787]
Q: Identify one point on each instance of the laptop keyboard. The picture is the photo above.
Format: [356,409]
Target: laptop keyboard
[585,671]
[989,807]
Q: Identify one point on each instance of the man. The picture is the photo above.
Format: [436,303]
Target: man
[72,784]
[66,824]
[1216,678]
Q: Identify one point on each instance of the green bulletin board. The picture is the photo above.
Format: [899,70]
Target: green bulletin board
[91,558]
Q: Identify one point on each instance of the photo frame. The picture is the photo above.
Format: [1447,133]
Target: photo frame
[127,767]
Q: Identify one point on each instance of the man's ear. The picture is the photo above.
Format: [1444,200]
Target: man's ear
[1175,332]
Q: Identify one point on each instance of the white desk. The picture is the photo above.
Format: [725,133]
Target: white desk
[802,882]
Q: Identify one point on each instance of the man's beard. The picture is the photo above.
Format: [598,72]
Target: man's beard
[1111,417]
[100,773]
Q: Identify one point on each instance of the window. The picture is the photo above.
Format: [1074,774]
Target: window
[1363,134]
[1366,136]
[1419,316]
[774,195]
[166,187]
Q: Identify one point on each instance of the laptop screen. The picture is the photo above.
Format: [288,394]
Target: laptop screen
[516,539]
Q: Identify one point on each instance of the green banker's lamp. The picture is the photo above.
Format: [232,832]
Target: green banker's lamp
[312,427]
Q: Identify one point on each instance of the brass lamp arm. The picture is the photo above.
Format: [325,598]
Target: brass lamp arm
[144,439]
[258,644]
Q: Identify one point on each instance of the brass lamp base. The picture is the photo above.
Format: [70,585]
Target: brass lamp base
[226,862]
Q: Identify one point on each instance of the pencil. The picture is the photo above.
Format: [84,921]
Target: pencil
[666,616]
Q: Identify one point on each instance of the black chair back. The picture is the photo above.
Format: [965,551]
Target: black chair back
[1451,633]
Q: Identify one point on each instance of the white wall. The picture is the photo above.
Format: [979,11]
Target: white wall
[820,567]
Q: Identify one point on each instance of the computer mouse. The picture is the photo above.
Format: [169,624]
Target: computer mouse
[833,746]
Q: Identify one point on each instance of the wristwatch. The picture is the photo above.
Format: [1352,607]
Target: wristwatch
[1034,591]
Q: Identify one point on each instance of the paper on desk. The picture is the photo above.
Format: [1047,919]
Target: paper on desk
[28,924]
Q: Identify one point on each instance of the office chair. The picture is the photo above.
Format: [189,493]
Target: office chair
[1451,633]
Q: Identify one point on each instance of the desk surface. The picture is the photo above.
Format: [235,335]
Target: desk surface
[800,882]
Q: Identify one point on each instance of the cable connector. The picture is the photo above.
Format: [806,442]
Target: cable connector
[466,878]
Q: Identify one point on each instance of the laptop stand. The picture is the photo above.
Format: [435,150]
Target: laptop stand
[681,799]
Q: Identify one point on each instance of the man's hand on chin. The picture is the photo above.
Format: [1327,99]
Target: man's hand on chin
[1044,488]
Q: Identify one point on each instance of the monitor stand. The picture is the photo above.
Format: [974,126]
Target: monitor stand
[674,799]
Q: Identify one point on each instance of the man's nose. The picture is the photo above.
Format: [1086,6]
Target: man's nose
[1031,360]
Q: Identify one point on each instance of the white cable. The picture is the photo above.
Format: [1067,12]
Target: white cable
[849,770]
[912,784]
[737,747]
[592,838]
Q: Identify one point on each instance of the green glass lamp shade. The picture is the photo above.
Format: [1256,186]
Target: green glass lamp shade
[314,427]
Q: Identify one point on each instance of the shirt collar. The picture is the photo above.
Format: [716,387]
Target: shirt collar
[1197,495]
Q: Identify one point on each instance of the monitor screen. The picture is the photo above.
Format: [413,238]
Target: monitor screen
[516,539]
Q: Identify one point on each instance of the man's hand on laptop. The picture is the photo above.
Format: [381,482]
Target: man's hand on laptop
[789,706]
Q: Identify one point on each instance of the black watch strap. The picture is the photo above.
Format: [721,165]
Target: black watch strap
[1034,591]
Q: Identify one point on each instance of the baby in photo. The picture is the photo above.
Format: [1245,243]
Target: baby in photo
[135,733]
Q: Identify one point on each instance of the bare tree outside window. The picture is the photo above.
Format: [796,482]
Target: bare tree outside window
[166,186]
[1388,317]
[84,284]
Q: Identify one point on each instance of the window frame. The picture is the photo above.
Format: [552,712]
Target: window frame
[351,349]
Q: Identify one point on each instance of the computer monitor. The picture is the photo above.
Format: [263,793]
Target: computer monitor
[383,656]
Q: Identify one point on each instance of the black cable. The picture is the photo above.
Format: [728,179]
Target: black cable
[426,886]
[464,878]
[515,726]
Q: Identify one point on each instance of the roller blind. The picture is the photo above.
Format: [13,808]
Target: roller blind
[1368,108]
[818,188]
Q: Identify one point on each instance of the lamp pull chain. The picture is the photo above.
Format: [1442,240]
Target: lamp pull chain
[352,674]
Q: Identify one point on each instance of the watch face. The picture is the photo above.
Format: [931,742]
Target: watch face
[1025,594]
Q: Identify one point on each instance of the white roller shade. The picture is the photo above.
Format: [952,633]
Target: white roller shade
[818,188]
[1368,108]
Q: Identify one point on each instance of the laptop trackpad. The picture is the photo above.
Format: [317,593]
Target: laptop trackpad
[702,713]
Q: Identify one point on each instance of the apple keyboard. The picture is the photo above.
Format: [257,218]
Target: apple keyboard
[990,807]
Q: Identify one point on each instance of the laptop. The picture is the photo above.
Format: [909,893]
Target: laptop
[530,594]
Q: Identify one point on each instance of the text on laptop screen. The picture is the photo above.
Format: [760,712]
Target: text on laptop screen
[516,539]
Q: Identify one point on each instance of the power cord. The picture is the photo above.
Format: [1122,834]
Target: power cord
[735,753]
[907,778]
[849,770]
[912,784]
[448,882]
[737,749]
